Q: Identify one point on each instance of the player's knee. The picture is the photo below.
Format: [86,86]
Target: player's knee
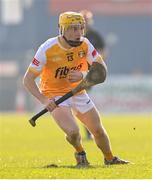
[73,136]
[99,132]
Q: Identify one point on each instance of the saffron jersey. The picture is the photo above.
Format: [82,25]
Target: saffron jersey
[53,63]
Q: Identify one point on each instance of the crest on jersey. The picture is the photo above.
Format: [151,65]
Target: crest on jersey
[70,56]
[81,54]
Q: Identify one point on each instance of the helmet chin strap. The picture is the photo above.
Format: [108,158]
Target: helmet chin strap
[73,43]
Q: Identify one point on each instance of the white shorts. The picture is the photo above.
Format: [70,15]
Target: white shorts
[78,103]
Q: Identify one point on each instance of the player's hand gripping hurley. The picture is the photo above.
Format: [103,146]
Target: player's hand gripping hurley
[95,76]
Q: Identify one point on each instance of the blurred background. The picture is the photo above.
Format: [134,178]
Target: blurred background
[126,26]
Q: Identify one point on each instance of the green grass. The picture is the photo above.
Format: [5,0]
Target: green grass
[24,150]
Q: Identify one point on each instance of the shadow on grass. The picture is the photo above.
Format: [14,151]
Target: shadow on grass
[69,166]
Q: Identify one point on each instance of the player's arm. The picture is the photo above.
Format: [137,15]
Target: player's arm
[96,60]
[31,86]
[32,73]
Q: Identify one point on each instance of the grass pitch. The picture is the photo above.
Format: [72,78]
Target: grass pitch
[25,151]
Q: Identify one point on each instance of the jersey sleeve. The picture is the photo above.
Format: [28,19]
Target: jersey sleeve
[92,54]
[39,60]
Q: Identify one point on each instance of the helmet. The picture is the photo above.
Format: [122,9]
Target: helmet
[68,19]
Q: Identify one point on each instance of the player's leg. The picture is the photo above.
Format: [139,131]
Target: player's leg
[89,116]
[65,120]
[92,121]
